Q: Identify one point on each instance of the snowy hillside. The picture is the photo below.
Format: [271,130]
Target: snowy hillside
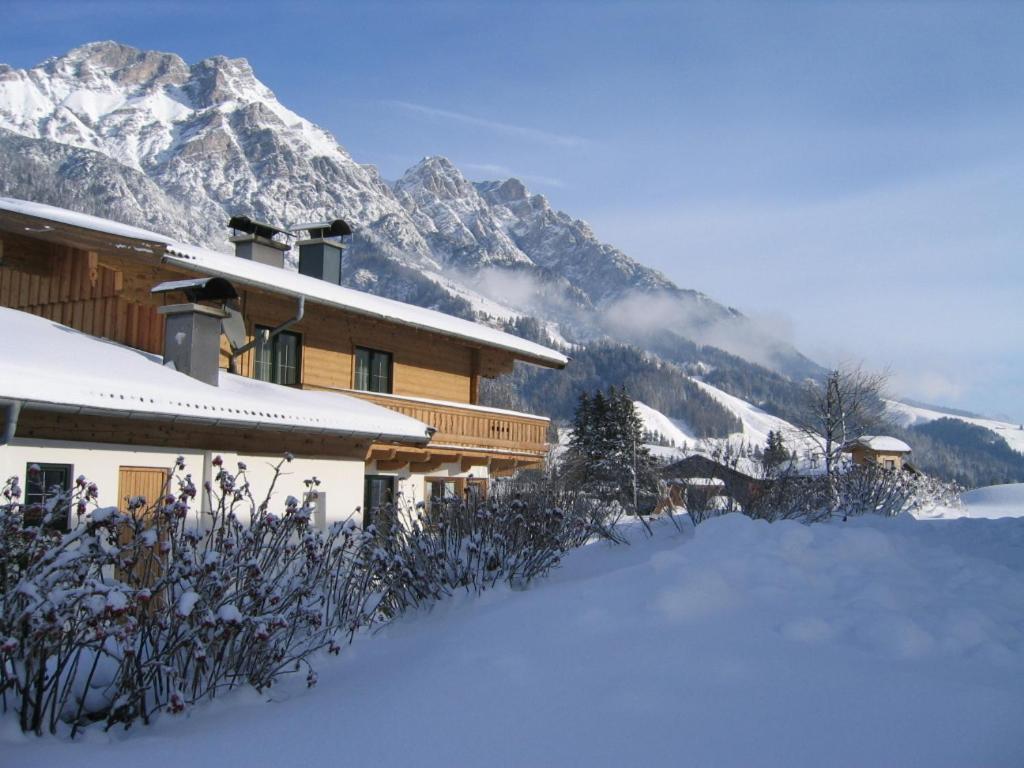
[911,415]
[674,430]
[880,642]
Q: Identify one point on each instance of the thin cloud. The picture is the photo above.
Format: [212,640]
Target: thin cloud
[496,171]
[533,134]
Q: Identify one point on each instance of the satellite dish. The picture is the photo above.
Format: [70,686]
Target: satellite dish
[233,326]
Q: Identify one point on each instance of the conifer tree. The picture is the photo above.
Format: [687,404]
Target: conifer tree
[775,456]
[607,454]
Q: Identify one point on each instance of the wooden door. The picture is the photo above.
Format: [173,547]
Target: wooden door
[149,483]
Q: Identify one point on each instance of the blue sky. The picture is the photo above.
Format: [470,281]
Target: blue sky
[851,173]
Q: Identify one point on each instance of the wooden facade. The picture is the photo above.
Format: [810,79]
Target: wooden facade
[863,455]
[100,284]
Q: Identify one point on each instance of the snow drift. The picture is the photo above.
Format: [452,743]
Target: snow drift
[877,642]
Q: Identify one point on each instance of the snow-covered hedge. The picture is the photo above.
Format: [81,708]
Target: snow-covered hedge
[857,490]
[157,607]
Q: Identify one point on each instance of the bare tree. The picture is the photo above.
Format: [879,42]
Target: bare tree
[846,405]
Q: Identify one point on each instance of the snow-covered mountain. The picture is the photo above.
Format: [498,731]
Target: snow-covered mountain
[146,138]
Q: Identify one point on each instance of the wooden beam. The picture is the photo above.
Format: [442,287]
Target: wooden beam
[422,467]
[160,433]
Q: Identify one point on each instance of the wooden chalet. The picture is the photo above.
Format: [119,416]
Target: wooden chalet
[301,333]
[880,450]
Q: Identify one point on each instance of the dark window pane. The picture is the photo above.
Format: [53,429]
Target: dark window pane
[43,482]
[278,360]
[373,370]
[378,491]
[362,380]
[288,358]
[264,359]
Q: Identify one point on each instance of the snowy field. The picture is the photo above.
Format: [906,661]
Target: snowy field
[871,643]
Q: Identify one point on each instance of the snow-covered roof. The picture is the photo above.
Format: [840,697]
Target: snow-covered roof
[48,365]
[882,444]
[289,282]
[80,220]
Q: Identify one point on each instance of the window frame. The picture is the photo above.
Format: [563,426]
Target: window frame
[275,359]
[368,510]
[45,466]
[372,353]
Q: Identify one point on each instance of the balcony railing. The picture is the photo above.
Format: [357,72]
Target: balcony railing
[470,426]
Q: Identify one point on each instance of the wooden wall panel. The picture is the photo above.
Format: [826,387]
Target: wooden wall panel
[108,294]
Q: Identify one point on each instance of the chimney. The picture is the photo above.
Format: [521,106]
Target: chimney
[320,254]
[254,240]
[192,330]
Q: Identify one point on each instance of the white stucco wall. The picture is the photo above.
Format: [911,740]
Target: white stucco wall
[100,463]
[341,479]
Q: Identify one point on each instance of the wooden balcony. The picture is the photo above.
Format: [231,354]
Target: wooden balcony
[471,427]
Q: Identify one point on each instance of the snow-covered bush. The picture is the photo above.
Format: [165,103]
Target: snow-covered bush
[520,532]
[857,490]
[162,605]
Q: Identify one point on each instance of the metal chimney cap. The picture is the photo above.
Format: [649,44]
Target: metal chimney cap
[199,289]
[322,229]
[253,227]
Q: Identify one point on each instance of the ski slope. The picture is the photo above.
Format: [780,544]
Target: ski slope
[909,415]
[675,430]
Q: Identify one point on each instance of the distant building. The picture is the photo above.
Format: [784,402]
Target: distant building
[697,479]
[888,452]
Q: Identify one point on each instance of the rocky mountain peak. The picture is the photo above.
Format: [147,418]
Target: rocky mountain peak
[219,79]
[121,64]
[502,192]
[435,176]
[143,137]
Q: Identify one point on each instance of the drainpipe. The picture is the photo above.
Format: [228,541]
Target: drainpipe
[235,353]
[11,412]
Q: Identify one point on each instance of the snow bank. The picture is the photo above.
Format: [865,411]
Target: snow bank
[888,642]
[996,501]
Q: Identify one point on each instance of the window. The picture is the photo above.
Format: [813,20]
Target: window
[378,491]
[890,464]
[442,490]
[42,483]
[278,359]
[373,370]
[476,490]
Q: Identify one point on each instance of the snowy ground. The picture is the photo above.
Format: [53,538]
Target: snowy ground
[991,502]
[995,501]
[877,642]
